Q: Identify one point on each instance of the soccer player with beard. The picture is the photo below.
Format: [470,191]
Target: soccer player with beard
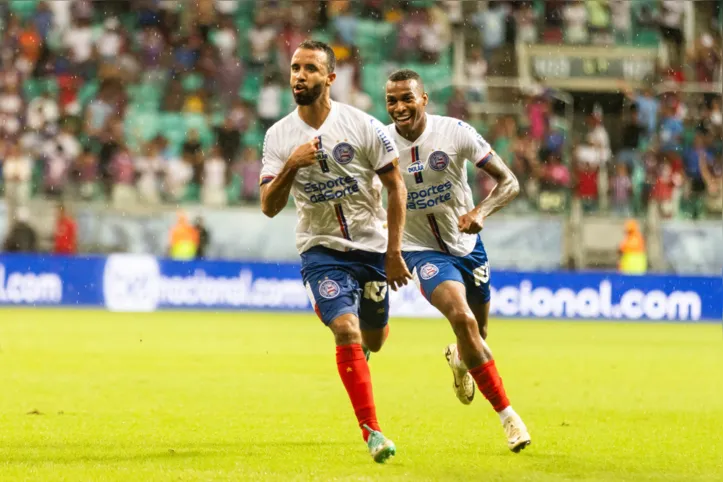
[441,242]
[334,159]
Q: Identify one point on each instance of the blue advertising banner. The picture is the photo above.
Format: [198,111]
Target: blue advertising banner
[130,282]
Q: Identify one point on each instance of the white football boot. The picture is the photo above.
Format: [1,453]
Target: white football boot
[517,435]
[464,386]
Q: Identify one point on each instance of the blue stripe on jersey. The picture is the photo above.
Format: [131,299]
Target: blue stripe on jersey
[437,234]
[415,157]
[342,221]
[484,160]
[322,160]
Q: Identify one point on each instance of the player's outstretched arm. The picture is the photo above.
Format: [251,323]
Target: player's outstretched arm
[275,195]
[396,268]
[506,190]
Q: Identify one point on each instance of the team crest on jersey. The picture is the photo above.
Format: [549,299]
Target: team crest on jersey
[415,167]
[329,289]
[343,153]
[428,271]
[438,160]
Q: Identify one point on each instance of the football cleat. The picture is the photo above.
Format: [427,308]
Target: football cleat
[517,435]
[380,447]
[463,385]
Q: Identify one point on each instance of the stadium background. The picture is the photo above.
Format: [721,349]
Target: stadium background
[125,111]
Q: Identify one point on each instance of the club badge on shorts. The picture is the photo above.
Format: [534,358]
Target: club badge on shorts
[343,153]
[428,271]
[329,289]
[438,160]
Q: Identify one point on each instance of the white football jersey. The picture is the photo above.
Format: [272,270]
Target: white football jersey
[338,199]
[435,173]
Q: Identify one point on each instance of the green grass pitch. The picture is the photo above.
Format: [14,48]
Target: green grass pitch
[95,396]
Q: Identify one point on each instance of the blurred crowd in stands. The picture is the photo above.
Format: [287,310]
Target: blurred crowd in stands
[162,101]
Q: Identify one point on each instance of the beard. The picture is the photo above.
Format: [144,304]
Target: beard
[309,96]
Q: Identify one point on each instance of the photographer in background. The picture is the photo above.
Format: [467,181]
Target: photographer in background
[22,237]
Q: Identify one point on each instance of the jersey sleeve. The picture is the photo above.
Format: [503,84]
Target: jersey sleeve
[471,145]
[382,150]
[271,160]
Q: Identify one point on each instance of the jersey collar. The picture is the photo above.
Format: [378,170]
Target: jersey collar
[327,122]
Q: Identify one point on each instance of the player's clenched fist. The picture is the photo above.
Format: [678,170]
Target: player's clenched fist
[471,223]
[306,154]
[397,272]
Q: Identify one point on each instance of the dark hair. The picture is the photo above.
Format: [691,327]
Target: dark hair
[321,46]
[406,74]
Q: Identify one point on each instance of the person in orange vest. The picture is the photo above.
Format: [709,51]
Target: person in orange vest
[633,258]
[184,239]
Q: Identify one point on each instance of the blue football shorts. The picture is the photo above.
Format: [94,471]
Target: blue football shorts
[431,268]
[339,282]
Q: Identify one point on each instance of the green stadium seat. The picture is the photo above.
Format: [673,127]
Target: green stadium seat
[23,8]
[33,88]
[88,92]
[233,190]
[250,88]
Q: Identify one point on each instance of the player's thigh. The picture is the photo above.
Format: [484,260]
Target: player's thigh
[333,292]
[374,293]
[450,298]
[477,277]
[430,269]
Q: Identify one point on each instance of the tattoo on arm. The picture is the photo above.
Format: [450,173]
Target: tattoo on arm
[507,187]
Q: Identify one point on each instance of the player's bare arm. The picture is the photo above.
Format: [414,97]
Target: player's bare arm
[396,268]
[506,190]
[275,195]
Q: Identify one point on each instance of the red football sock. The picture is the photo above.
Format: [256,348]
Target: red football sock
[354,373]
[490,384]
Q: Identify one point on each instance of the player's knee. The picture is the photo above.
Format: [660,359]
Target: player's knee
[346,330]
[463,323]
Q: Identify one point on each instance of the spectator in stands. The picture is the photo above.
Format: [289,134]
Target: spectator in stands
[269,103]
[42,111]
[575,15]
[17,171]
[228,139]
[178,177]
[648,107]
[526,22]
[620,11]
[435,36]
[671,27]
[408,34]
[123,172]
[261,40]
[213,192]
[632,134]
[66,232]
[707,58]
[85,174]
[149,169]
[110,41]
[11,110]
[204,237]
[712,174]
[475,70]
[671,128]
[457,105]
[599,20]
[621,190]
[21,237]
[666,190]
[492,25]
[344,20]
[586,176]
[250,170]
